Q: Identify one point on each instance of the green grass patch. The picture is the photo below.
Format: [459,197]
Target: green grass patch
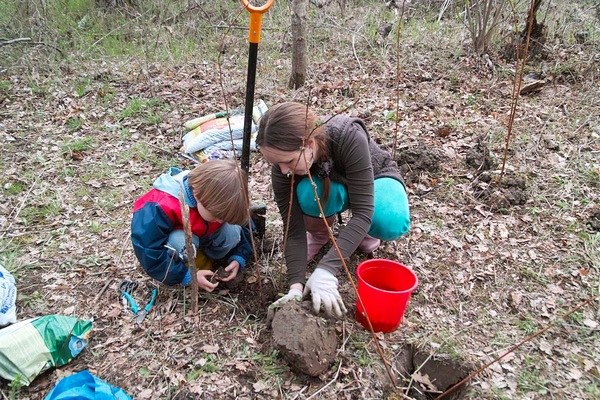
[207,365]
[95,227]
[35,214]
[148,109]
[78,145]
[14,188]
[527,326]
[531,381]
[269,363]
[5,86]
[74,123]
[9,255]
[82,87]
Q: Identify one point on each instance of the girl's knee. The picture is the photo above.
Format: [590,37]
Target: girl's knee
[391,228]
[306,197]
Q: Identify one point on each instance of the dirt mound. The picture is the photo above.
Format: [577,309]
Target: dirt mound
[250,297]
[501,195]
[479,156]
[306,342]
[594,220]
[413,162]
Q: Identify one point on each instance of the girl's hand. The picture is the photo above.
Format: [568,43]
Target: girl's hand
[203,281]
[233,269]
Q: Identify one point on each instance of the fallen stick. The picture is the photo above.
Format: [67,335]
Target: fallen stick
[102,290]
[191,260]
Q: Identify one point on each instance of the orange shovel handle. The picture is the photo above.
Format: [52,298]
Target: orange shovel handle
[256,19]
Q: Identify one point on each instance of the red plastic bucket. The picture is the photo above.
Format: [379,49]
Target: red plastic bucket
[385,287]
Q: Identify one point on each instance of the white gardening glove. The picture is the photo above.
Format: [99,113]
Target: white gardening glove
[324,287]
[294,294]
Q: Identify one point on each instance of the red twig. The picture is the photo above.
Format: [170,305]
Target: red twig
[512,349]
[189,246]
[517,87]
[397,81]
[349,275]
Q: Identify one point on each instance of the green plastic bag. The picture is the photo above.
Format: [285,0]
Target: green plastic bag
[30,347]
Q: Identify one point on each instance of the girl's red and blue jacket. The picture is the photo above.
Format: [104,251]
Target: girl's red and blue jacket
[157,213]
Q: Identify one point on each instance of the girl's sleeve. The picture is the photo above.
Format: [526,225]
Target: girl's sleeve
[295,249]
[243,251]
[356,159]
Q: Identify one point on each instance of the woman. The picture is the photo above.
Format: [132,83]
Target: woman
[350,172]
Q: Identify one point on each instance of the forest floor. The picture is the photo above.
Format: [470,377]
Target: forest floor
[495,262]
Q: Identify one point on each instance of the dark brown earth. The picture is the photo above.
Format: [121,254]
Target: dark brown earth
[502,194]
[307,342]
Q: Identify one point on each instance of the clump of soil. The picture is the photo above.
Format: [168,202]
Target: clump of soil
[479,156]
[431,375]
[501,195]
[306,342]
[594,220]
[416,161]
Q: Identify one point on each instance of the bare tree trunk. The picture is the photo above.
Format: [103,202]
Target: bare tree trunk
[537,35]
[298,76]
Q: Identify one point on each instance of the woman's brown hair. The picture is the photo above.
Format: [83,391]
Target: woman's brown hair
[222,190]
[286,126]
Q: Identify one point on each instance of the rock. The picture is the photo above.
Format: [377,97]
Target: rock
[305,341]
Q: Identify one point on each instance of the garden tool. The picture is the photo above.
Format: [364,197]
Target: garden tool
[253,38]
[126,288]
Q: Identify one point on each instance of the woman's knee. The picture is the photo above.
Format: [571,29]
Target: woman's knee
[391,218]
[337,200]
[390,228]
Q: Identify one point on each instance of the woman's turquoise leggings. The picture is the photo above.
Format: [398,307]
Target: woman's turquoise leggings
[391,218]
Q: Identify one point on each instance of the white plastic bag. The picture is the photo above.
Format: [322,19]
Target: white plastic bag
[8,297]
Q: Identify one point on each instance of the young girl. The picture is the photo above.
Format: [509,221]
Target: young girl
[350,172]
[218,206]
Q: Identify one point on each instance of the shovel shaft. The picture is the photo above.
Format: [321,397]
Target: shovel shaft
[250,83]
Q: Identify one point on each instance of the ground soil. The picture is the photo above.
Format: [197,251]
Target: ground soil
[307,342]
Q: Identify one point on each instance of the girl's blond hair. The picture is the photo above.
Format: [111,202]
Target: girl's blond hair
[222,189]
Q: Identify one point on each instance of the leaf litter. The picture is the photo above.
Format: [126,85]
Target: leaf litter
[486,277]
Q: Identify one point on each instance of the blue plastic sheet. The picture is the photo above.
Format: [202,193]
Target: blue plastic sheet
[85,386]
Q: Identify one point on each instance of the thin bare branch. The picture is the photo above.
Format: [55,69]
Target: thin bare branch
[189,247]
[400,21]
[517,87]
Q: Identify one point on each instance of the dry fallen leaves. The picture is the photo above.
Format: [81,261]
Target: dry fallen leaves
[210,348]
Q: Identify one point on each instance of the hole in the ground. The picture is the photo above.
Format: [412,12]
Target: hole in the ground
[431,374]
